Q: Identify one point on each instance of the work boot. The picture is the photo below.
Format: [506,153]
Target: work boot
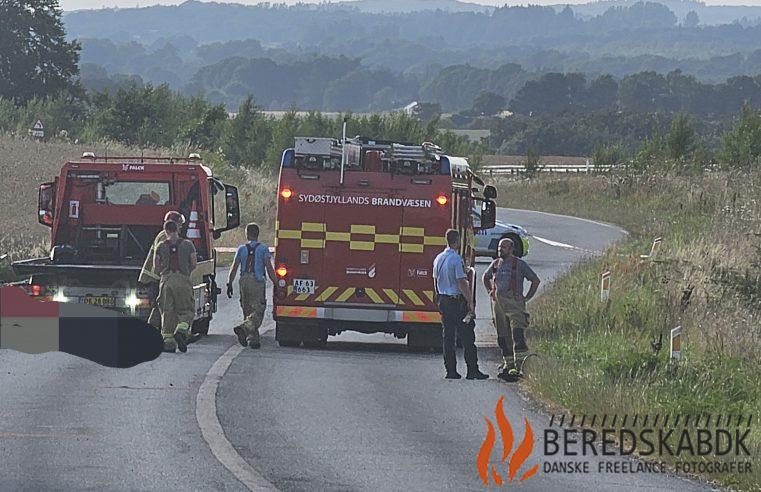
[181,336]
[476,374]
[182,344]
[194,337]
[510,375]
[240,332]
[170,345]
[453,375]
[254,345]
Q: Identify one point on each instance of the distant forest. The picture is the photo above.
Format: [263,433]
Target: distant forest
[640,56]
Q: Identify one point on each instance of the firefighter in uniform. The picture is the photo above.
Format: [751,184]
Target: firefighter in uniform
[456,306]
[255,261]
[175,259]
[148,275]
[504,282]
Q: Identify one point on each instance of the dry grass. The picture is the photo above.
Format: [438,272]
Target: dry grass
[597,357]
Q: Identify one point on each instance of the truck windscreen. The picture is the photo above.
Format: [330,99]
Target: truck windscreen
[137,193]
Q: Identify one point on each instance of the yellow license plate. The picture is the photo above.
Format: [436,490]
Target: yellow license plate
[105,301]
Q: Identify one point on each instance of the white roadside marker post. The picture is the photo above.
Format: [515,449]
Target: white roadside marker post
[675,350]
[653,249]
[605,286]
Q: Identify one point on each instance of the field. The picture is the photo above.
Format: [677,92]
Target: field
[25,164]
[597,357]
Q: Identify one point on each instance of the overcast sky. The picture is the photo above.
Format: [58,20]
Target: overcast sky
[96,4]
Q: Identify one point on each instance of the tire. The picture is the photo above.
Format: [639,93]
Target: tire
[517,244]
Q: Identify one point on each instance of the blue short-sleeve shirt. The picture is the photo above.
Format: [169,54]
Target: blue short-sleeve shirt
[448,268]
[261,256]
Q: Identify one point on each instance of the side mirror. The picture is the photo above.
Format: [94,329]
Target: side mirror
[490,192]
[46,204]
[488,214]
[232,211]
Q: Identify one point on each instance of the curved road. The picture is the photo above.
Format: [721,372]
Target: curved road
[362,414]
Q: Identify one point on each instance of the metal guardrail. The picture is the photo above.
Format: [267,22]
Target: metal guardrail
[545,168]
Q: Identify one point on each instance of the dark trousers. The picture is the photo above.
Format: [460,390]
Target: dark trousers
[453,310]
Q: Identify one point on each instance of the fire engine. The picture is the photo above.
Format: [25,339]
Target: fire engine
[104,213]
[359,223]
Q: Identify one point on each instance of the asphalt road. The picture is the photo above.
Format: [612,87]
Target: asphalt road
[362,414]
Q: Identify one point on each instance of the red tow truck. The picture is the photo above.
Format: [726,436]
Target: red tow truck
[104,213]
[359,223]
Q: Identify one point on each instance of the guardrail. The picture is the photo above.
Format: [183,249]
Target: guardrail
[545,168]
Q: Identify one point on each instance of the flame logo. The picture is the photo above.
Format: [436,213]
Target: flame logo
[522,452]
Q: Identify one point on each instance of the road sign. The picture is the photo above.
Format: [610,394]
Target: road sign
[37,130]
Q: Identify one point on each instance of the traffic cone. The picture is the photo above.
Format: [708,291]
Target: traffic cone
[194,233]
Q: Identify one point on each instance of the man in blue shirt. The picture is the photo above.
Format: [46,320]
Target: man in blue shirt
[455,302]
[255,261]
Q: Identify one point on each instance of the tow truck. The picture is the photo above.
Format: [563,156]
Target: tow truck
[359,223]
[104,213]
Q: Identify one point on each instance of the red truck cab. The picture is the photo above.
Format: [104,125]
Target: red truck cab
[104,213]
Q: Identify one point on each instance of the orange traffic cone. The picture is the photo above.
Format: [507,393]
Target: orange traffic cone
[194,233]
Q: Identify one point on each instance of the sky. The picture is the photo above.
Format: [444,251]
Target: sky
[95,4]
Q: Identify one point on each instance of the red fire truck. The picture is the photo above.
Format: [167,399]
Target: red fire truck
[359,223]
[104,213]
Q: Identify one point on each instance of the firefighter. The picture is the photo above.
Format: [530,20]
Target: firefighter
[175,259]
[504,282]
[256,262]
[456,307]
[148,276]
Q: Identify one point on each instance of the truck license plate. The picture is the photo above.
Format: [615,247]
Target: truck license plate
[303,286]
[105,301]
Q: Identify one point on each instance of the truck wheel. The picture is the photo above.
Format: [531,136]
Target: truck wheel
[288,334]
[517,244]
[201,326]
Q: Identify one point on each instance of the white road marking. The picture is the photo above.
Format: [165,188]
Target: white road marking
[623,231]
[211,428]
[554,243]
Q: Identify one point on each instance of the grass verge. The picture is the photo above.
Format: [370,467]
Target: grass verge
[598,358]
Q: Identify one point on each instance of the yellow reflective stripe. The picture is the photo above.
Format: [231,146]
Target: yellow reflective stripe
[288,234]
[412,231]
[393,296]
[362,245]
[362,229]
[421,317]
[413,297]
[387,238]
[345,294]
[297,311]
[312,243]
[429,294]
[326,294]
[290,289]
[374,296]
[338,236]
[411,248]
[302,297]
[312,227]
[434,241]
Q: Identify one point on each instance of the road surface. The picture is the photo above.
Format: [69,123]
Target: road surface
[362,414]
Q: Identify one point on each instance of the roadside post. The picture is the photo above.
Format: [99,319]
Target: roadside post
[605,286]
[675,350]
[653,249]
